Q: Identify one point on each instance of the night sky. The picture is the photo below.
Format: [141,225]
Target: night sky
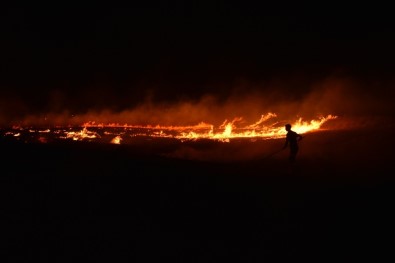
[164,62]
[61,57]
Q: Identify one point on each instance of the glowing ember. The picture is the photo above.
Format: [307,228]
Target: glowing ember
[116,140]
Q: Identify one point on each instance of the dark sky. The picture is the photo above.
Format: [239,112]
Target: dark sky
[59,56]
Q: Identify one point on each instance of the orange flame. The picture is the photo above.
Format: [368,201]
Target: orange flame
[228,130]
[116,140]
[83,134]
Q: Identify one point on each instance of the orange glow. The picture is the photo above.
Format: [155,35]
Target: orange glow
[266,127]
[83,134]
[116,140]
[227,130]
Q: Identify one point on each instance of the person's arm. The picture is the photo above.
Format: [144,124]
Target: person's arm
[299,137]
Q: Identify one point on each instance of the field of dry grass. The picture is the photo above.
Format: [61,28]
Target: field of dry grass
[200,201]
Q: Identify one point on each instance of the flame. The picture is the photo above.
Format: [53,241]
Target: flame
[116,140]
[227,130]
[83,134]
[301,126]
[261,129]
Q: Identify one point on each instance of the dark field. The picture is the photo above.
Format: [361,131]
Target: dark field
[199,201]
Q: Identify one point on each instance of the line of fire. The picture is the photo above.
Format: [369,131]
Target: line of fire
[267,127]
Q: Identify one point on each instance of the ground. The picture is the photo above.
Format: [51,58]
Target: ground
[199,202]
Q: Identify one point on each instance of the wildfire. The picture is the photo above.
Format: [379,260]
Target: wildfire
[257,130]
[227,130]
[261,129]
[83,134]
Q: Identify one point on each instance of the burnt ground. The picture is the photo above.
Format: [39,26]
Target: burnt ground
[63,202]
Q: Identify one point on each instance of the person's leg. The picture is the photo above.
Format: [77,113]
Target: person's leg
[292,155]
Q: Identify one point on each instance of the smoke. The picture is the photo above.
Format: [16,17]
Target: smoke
[346,97]
[11,109]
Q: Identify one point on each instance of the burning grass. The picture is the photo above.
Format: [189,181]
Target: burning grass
[267,127]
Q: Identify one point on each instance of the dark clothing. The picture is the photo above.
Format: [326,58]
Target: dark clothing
[292,140]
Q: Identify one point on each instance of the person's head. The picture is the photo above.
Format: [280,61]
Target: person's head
[288,127]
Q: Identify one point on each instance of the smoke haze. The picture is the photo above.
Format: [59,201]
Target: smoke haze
[344,97]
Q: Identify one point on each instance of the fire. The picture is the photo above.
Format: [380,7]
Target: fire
[257,130]
[227,130]
[265,128]
[116,140]
[83,134]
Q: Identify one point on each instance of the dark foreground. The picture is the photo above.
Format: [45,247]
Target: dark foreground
[83,202]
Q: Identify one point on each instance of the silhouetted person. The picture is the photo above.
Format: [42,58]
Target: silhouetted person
[292,140]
